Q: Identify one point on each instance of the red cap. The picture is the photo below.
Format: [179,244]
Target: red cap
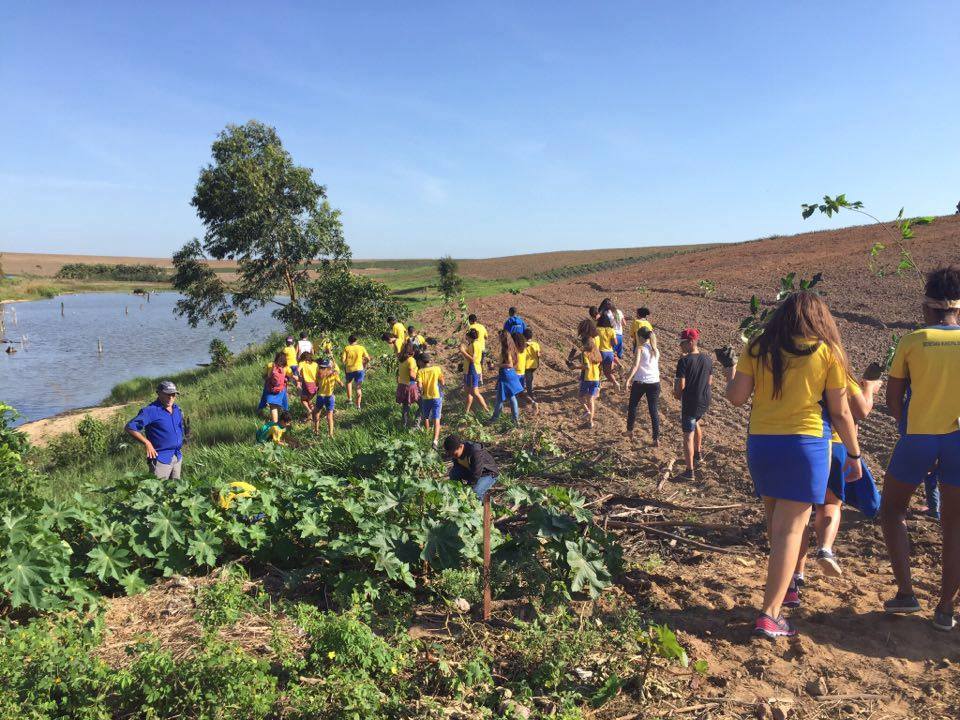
[690,334]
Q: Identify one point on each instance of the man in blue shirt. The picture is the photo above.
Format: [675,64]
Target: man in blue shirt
[159,427]
[514,323]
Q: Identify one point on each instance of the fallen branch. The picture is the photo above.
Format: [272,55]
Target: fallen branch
[627,525]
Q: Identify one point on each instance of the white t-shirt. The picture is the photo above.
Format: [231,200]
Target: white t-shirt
[649,368]
[617,319]
[304,346]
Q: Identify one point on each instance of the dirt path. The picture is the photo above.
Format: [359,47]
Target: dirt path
[41,431]
[851,660]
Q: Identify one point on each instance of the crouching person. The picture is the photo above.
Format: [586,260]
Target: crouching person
[472,463]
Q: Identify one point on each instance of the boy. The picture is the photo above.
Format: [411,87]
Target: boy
[533,360]
[640,321]
[514,323]
[327,382]
[355,359]
[430,379]
[397,330]
[273,431]
[290,350]
[472,463]
[304,345]
[692,389]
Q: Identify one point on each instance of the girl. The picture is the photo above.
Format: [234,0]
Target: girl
[508,382]
[788,368]
[608,339]
[586,331]
[308,381]
[430,380]
[355,359]
[590,361]
[644,379]
[616,317]
[275,380]
[471,353]
[408,393]
[533,360]
[327,381]
[926,371]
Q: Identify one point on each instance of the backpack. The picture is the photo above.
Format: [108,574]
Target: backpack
[263,434]
[277,380]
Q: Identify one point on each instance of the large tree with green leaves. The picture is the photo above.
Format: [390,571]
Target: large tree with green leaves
[270,216]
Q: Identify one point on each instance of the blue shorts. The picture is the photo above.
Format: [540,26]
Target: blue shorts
[914,456]
[295,369]
[590,387]
[356,376]
[430,408]
[688,423]
[618,348]
[326,402]
[608,356]
[472,379]
[789,467]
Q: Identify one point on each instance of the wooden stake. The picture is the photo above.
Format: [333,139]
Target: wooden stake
[61,310]
[126,309]
[100,346]
[487,600]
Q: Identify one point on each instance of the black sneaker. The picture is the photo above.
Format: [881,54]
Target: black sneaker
[945,622]
[901,605]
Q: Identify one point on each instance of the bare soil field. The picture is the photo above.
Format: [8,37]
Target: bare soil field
[707,580]
[47,264]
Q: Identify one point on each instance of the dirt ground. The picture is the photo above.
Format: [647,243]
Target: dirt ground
[40,432]
[850,660]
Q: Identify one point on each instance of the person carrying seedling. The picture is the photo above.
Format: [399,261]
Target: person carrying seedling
[160,428]
[273,431]
[471,463]
[327,381]
[514,323]
[274,395]
[692,388]
[533,361]
[408,391]
[590,362]
[290,351]
[430,379]
[586,331]
[309,369]
[923,395]
[607,340]
[471,355]
[355,359]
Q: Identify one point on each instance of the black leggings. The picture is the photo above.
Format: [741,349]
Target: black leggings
[652,391]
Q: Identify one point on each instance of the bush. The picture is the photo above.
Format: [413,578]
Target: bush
[102,271]
[220,354]
[91,441]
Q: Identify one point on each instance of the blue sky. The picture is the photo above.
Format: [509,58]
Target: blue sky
[479,129]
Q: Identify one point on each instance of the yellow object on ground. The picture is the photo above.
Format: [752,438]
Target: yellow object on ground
[236,490]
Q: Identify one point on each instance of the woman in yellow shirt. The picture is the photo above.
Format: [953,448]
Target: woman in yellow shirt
[607,337]
[408,392]
[471,354]
[787,369]
[308,380]
[923,394]
[590,362]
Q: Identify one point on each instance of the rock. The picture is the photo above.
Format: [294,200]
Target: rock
[584,675]
[778,713]
[461,605]
[818,687]
[763,712]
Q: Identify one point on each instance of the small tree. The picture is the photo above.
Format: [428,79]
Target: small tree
[270,216]
[340,300]
[451,284]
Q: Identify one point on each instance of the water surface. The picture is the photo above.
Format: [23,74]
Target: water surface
[60,369]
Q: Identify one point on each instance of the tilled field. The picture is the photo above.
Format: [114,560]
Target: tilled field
[851,660]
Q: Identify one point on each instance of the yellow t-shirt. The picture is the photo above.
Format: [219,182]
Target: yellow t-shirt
[521,361]
[407,371]
[329,383]
[481,334]
[476,350]
[930,359]
[797,411]
[325,346]
[397,345]
[419,339]
[635,329]
[533,355]
[291,352]
[399,330]
[353,357]
[430,378]
[591,370]
[308,371]
[607,338]
[852,389]
[276,434]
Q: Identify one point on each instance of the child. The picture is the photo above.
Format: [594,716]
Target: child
[273,431]
[533,360]
[509,385]
[430,379]
[355,359]
[308,381]
[397,329]
[472,354]
[590,361]
[408,392]
[607,337]
[642,321]
[481,331]
[418,340]
[395,343]
[274,393]
[304,345]
[692,388]
[327,381]
[290,351]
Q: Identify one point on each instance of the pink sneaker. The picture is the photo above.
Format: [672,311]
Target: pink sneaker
[773,628]
[792,598]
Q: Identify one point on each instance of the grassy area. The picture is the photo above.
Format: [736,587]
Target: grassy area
[39,288]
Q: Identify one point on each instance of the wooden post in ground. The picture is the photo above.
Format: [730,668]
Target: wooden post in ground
[487,600]
[61,309]
[100,345]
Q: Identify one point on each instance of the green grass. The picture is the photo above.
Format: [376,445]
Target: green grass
[40,288]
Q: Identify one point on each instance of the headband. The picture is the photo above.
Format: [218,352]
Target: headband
[938,304]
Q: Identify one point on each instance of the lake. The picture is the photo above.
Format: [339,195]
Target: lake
[60,369]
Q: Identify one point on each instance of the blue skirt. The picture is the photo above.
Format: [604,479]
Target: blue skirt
[508,384]
[789,467]
[279,398]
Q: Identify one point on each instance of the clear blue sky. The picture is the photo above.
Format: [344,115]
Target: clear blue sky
[480,129]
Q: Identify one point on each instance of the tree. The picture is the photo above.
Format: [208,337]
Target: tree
[340,300]
[451,284]
[269,215]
